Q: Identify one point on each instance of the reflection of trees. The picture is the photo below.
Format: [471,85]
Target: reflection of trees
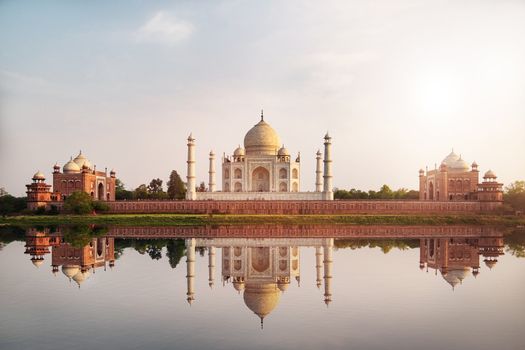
[80,235]
[175,251]
[384,244]
[9,234]
[515,243]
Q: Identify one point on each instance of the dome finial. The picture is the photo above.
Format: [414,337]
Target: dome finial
[262,115]
[262,322]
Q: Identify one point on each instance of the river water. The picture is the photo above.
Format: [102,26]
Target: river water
[265,288]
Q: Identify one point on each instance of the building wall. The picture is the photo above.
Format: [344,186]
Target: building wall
[295,207]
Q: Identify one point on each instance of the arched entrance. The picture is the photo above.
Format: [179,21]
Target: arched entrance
[431,191]
[261,180]
[100,191]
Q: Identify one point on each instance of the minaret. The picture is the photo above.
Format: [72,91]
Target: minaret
[211,173]
[190,269]
[318,265]
[211,265]
[327,177]
[328,247]
[318,173]
[190,183]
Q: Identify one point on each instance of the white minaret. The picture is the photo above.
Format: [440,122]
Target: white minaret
[211,173]
[327,177]
[318,265]
[318,173]
[211,266]
[190,269]
[328,247]
[190,177]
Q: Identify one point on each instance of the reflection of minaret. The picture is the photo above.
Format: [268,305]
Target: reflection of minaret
[318,264]
[211,265]
[328,247]
[190,268]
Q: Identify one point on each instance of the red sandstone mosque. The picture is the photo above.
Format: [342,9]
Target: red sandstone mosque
[456,181]
[78,174]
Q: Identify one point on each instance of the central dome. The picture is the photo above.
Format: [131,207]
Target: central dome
[261,298]
[262,139]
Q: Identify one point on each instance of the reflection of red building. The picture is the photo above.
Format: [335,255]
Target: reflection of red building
[38,243]
[77,263]
[455,257]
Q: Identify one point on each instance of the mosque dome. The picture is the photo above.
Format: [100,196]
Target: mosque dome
[80,277]
[489,175]
[82,161]
[70,270]
[455,277]
[460,164]
[39,176]
[262,139]
[450,159]
[239,151]
[283,151]
[261,298]
[71,167]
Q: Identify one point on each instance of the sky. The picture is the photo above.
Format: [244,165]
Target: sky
[397,84]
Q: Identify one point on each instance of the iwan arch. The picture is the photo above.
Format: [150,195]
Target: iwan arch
[261,170]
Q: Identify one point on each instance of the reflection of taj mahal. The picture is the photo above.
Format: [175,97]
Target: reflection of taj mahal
[261,269]
[262,169]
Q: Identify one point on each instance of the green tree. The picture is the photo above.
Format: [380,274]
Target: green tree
[175,250]
[176,188]
[201,187]
[79,203]
[11,205]
[515,195]
[141,192]
[120,191]
[155,186]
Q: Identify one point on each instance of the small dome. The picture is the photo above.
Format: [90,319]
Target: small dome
[261,139]
[39,176]
[421,171]
[239,151]
[283,151]
[238,286]
[283,286]
[56,166]
[489,175]
[82,161]
[37,261]
[490,263]
[70,270]
[474,164]
[71,167]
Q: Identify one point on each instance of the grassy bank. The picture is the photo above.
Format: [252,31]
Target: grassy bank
[181,220]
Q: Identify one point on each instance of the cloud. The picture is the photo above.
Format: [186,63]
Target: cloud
[164,29]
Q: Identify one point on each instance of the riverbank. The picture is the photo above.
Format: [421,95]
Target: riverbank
[193,220]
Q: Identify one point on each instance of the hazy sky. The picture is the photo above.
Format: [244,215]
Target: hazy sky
[397,84]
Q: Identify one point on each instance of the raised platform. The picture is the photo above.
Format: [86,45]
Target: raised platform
[260,196]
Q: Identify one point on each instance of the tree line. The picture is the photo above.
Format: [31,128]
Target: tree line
[385,192]
[176,189]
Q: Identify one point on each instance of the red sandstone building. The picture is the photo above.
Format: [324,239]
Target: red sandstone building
[78,174]
[454,180]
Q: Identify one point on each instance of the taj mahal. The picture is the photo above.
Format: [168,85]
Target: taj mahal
[261,170]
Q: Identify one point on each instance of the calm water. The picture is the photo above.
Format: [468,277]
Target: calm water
[368,288]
